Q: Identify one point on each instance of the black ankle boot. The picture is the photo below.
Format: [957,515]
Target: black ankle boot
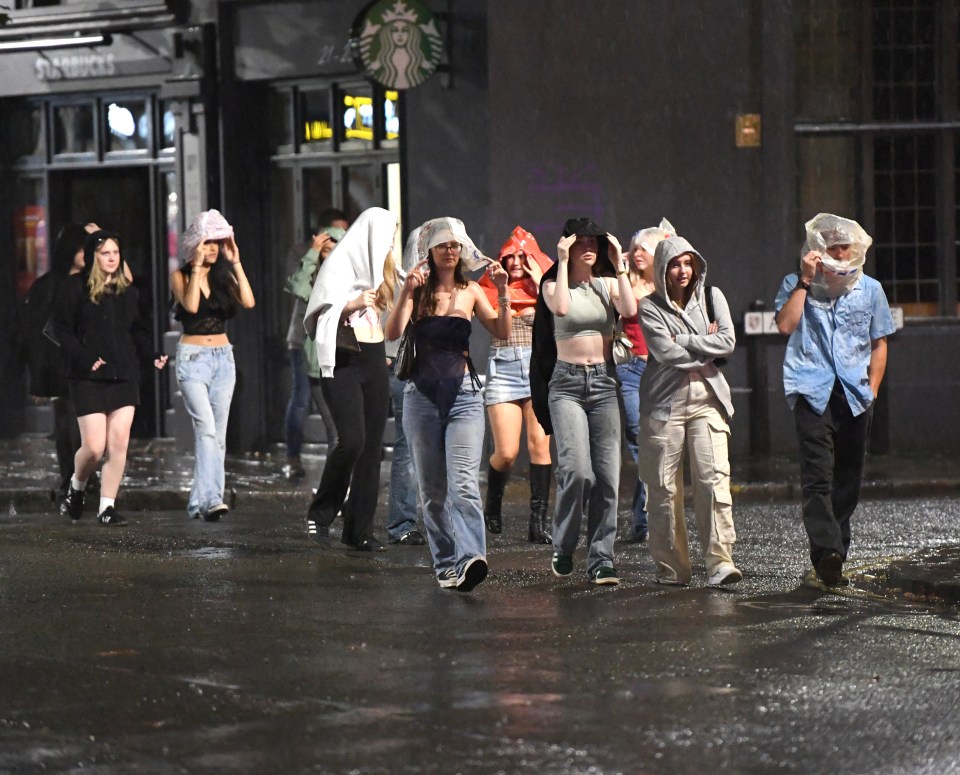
[539,498]
[496,482]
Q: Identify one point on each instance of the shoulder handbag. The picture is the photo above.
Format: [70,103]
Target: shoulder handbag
[403,363]
[347,340]
[622,347]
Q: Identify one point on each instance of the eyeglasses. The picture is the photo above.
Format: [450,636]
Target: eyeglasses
[453,247]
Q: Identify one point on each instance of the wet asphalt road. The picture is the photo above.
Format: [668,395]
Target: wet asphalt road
[173,646]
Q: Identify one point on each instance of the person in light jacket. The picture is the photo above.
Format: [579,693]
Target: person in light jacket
[685,403]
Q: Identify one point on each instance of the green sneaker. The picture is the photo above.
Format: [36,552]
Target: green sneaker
[562,564]
[606,576]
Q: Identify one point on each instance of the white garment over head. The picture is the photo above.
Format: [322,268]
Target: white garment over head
[355,265]
[439,231]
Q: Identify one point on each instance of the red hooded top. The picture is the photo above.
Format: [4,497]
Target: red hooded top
[523,293]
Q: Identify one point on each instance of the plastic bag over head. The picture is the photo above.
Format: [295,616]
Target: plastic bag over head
[836,277]
[208,225]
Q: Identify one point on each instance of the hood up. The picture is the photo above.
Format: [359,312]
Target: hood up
[667,250]
[90,249]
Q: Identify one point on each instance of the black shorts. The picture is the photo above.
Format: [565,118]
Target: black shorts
[92,396]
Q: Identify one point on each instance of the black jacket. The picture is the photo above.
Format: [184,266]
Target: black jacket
[112,330]
[43,359]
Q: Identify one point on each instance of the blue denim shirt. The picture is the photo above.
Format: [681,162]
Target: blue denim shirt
[831,342]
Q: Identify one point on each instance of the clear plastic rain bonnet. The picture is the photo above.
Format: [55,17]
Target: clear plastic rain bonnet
[835,277]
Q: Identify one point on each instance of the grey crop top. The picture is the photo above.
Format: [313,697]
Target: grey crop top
[591,312]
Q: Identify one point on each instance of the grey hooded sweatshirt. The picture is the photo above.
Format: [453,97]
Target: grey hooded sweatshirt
[670,362]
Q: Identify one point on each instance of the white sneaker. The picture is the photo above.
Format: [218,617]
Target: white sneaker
[725,575]
[447,578]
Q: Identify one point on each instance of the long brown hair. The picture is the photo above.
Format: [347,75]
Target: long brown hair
[428,300]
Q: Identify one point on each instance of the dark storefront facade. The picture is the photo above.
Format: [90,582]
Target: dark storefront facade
[623,111]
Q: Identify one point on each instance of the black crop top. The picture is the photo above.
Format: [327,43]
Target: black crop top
[206,321]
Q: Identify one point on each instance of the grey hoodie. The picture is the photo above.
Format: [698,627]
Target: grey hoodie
[670,362]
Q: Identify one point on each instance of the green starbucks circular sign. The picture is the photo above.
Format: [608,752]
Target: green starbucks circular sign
[397,42]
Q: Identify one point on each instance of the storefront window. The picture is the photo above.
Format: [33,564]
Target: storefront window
[168,127]
[317,195]
[128,125]
[356,117]
[26,132]
[280,107]
[360,189]
[391,119]
[30,232]
[73,130]
[315,115]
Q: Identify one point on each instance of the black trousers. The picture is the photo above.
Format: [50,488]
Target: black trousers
[833,447]
[358,395]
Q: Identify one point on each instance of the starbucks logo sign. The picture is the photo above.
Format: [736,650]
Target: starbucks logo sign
[397,42]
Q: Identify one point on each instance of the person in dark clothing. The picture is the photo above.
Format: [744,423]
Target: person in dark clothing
[97,323]
[42,356]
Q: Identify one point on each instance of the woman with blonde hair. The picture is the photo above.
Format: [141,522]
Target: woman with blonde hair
[208,290]
[97,323]
[355,284]
[640,266]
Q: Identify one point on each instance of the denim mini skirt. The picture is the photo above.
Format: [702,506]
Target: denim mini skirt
[508,375]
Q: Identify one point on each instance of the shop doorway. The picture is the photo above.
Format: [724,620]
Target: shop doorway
[119,199]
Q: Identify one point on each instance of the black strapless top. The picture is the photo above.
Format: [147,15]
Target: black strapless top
[442,347]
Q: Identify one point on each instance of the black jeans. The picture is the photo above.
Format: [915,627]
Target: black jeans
[358,395]
[832,451]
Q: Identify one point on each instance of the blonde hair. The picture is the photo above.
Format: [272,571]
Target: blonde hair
[98,282]
[388,288]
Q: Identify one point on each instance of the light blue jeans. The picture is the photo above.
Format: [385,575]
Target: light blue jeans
[629,374]
[585,411]
[446,455]
[206,376]
[402,515]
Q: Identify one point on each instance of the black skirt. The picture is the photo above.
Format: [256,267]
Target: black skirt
[92,396]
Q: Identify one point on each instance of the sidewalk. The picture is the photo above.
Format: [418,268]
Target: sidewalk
[158,477]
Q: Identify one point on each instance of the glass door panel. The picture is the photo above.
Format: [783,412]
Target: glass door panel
[360,189]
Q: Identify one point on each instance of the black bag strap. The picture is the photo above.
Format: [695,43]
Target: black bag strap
[708,298]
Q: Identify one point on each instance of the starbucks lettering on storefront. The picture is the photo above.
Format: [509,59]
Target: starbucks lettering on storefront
[75,66]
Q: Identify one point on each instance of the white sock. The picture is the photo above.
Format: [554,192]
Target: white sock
[77,484]
[105,503]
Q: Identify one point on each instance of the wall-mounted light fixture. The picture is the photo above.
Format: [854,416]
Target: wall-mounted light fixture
[70,41]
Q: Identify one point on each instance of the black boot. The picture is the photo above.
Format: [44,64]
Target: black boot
[539,498]
[496,482]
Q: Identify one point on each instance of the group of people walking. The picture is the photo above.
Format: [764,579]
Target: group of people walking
[596,347]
